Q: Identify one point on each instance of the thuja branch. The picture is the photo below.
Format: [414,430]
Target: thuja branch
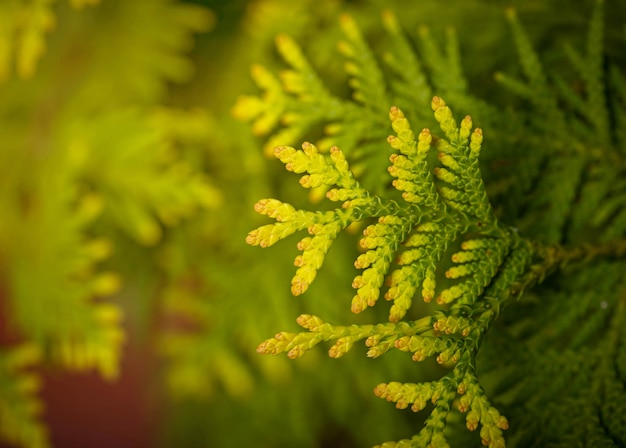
[402,258]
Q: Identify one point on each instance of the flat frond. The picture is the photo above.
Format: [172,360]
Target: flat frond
[406,246]
[436,235]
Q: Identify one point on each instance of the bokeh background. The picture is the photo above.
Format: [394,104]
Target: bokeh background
[130,305]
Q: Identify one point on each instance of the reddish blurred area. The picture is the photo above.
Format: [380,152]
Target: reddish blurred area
[84,411]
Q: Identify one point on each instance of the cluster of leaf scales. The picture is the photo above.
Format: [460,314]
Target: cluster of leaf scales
[297,102]
[402,252]
[558,178]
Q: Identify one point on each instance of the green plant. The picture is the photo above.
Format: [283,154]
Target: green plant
[93,164]
[126,187]
[550,346]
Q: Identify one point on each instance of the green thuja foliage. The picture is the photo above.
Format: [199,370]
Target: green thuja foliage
[93,165]
[519,268]
[485,253]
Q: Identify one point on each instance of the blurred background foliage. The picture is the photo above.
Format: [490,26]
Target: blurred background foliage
[126,192]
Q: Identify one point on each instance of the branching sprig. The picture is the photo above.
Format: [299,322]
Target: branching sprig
[297,102]
[443,211]
[435,234]
[403,252]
